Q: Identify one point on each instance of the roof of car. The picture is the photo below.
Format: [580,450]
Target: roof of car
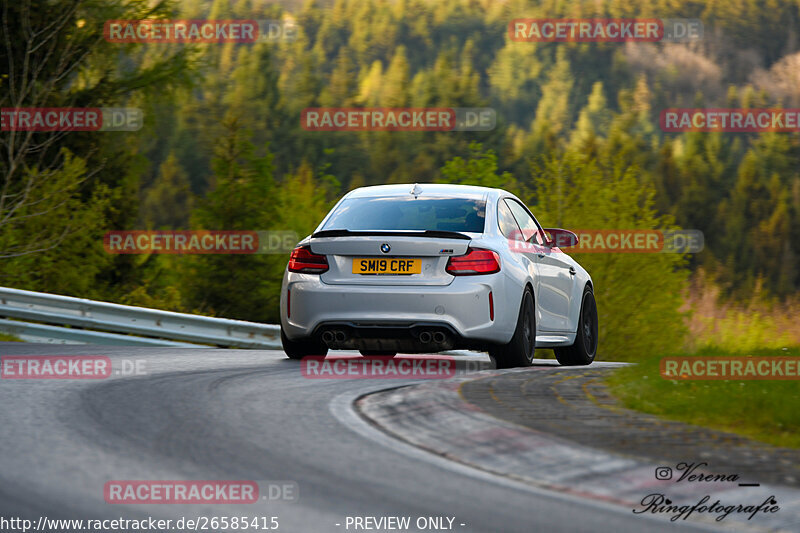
[423,189]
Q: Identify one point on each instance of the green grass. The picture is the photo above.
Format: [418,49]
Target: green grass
[4,337]
[768,411]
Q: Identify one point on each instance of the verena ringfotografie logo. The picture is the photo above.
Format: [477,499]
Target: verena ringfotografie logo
[780,368]
[198,31]
[357,367]
[608,241]
[660,504]
[67,367]
[398,119]
[71,119]
[604,30]
[730,120]
[199,242]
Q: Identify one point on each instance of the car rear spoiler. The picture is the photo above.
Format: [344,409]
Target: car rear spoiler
[441,234]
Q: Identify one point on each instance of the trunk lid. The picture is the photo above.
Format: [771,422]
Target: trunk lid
[430,248]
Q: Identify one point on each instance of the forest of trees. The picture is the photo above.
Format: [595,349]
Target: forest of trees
[577,138]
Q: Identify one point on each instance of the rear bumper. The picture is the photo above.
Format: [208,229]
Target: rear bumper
[398,312]
[416,337]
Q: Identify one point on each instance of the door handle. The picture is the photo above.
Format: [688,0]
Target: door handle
[571,271]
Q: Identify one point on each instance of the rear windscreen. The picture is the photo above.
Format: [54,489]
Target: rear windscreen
[409,213]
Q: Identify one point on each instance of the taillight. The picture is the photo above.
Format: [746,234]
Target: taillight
[307,262]
[476,261]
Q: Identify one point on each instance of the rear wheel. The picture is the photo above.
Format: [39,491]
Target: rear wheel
[519,351]
[584,348]
[377,353]
[298,349]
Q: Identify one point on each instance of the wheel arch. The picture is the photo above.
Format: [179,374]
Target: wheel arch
[529,285]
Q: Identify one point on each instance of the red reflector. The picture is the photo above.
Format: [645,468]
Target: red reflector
[307,262]
[289,303]
[476,261]
[491,306]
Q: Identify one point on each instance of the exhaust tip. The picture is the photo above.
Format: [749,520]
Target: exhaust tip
[439,337]
[340,336]
[328,337]
[425,337]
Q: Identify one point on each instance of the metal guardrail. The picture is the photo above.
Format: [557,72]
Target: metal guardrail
[46,334]
[108,323]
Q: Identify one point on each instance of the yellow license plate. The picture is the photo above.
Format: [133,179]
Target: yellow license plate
[386,265]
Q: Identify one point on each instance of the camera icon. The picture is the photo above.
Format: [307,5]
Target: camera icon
[663,473]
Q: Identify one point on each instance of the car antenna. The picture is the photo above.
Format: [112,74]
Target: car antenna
[416,190]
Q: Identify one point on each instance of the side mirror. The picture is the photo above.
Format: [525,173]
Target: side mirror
[560,238]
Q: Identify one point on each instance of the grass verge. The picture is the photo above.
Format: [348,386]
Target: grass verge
[768,411]
[5,337]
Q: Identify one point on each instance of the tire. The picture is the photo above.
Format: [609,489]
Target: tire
[584,349]
[377,353]
[302,348]
[519,351]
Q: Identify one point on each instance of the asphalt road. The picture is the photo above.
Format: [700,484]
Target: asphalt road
[199,414]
